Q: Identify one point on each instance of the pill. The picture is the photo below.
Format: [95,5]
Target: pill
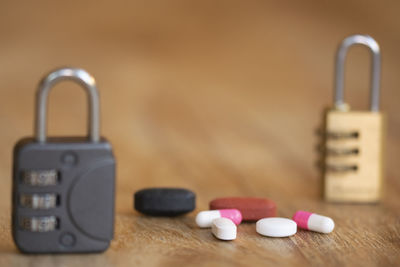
[224,229]
[204,218]
[164,201]
[276,227]
[252,209]
[314,222]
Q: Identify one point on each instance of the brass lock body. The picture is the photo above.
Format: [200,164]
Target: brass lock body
[354,140]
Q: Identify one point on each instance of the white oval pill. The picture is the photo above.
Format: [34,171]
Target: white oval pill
[276,227]
[224,229]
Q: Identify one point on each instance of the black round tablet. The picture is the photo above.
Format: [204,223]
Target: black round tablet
[164,201]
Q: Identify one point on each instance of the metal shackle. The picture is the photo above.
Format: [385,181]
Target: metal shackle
[79,76]
[341,54]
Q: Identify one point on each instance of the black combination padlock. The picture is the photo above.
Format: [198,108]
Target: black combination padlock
[63,188]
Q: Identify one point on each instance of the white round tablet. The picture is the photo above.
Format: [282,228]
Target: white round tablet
[276,227]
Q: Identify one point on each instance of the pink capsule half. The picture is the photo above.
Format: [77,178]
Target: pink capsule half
[314,222]
[205,218]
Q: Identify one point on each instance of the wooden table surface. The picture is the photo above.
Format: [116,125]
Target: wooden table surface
[221,97]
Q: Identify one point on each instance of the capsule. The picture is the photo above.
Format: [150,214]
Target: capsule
[204,219]
[224,229]
[314,222]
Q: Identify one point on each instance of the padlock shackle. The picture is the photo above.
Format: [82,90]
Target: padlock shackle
[71,74]
[341,54]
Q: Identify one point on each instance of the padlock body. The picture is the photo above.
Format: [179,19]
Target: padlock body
[63,195]
[354,163]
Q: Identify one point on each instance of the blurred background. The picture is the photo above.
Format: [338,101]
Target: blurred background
[208,95]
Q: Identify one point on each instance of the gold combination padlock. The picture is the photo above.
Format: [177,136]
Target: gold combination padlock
[354,140]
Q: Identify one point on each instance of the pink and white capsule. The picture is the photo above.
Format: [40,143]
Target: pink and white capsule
[314,222]
[204,219]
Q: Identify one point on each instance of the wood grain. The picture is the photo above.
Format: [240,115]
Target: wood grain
[221,97]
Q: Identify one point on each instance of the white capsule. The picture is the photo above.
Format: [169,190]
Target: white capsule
[314,222]
[204,218]
[276,227]
[224,229]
